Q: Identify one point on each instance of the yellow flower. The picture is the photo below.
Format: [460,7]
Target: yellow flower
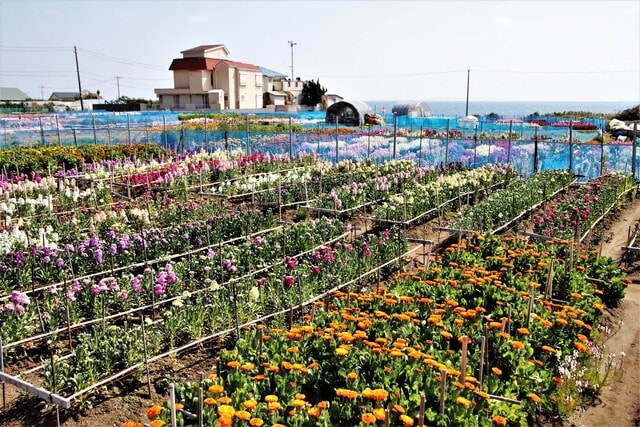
[380,414]
[250,404]
[216,389]
[463,402]
[243,415]
[406,420]
[226,411]
[257,422]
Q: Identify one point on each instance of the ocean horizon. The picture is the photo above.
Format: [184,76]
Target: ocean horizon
[516,109]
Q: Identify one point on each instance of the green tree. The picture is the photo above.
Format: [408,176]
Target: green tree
[312,93]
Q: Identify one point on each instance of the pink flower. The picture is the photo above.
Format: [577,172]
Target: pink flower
[289,281]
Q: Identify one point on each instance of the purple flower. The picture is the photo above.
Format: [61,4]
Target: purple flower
[76,287]
[59,263]
[97,256]
[315,269]
[113,249]
[289,281]
[291,262]
[20,298]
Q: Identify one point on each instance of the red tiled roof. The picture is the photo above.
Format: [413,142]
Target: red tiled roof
[207,64]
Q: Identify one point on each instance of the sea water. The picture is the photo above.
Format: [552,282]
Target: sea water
[513,109]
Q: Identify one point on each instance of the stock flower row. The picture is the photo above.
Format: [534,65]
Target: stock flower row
[215,307]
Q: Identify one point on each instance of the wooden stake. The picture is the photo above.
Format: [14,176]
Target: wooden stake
[443,388]
[421,413]
[172,404]
[463,367]
[146,355]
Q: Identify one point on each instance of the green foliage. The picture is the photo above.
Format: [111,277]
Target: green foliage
[312,93]
[629,115]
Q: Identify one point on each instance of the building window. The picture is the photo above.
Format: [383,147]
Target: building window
[243,79]
[258,79]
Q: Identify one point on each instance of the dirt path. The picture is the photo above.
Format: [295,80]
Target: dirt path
[619,404]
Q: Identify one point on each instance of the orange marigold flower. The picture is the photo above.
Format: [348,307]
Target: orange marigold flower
[257,422]
[154,411]
[499,421]
[352,376]
[210,401]
[225,400]
[496,371]
[274,406]
[380,414]
[581,347]
[314,412]
[131,424]
[243,415]
[226,411]
[216,388]
[517,345]
[233,364]
[534,397]
[298,403]
[523,331]
[225,421]
[463,401]
[250,404]
[406,420]
[548,348]
[368,418]
[156,423]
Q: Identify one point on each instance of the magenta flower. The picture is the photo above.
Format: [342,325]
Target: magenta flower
[289,281]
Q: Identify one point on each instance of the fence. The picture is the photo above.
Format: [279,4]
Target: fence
[529,148]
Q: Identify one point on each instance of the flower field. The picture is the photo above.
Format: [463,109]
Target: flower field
[303,275]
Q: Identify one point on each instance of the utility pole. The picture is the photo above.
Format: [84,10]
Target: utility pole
[466,113]
[118,80]
[42,93]
[292,44]
[75,50]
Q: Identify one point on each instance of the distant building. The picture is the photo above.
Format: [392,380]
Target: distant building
[12,94]
[64,96]
[204,78]
[349,113]
[411,109]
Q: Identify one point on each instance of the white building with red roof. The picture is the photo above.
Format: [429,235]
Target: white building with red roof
[204,78]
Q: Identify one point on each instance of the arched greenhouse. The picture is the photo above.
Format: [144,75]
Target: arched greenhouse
[350,113]
[411,109]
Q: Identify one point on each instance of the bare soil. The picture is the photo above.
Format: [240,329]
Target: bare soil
[618,404]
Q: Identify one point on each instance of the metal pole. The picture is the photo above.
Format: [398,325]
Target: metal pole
[290,139]
[129,127]
[206,140]
[395,132]
[570,145]
[292,44]
[368,140]
[337,132]
[93,124]
[509,147]
[446,148]
[75,51]
[58,130]
[535,152]
[247,134]
[633,151]
[42,140]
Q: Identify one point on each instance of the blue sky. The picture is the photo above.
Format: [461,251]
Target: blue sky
[394,50]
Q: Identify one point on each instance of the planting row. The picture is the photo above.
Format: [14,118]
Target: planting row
[474,339]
